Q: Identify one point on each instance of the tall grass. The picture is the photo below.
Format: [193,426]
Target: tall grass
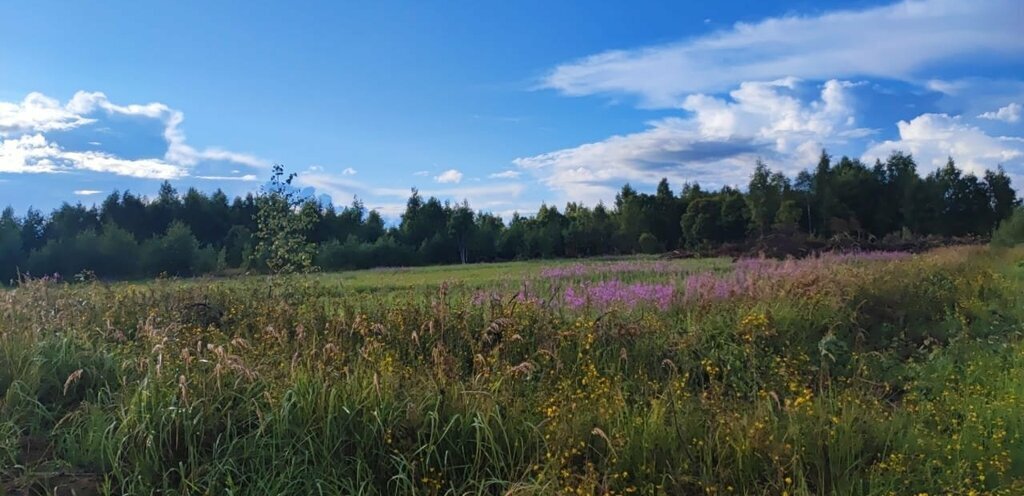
[860,376]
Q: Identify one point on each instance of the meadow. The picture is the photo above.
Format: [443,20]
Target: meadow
[859,374]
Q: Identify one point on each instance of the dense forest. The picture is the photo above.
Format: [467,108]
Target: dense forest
[129,236]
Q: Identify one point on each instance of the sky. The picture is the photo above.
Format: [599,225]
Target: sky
[505,104]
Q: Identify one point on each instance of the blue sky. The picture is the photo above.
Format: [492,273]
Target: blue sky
[506,104]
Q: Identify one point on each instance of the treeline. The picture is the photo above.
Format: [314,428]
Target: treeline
[129,236]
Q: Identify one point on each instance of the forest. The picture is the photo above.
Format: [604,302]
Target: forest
[130,236]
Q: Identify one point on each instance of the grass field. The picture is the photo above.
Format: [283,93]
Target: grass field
[867,374]
[479,275]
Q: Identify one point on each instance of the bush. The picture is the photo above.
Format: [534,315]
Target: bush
[649,244]
[1010,231]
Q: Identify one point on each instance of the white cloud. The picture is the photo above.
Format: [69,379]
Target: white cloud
[348,171]
[449,176]
[932,138]
[28,154]
[245,178]
[897,41]
[34,154]
[509,174]
[946,87]
[718,145]
[86,192]
[102,162]
[37,113]
[1010,113]
[768,111]
[26,147]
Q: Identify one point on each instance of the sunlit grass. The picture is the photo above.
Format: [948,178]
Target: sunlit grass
[856,376]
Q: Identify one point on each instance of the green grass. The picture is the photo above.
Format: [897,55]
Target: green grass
[847,378]
[480,275]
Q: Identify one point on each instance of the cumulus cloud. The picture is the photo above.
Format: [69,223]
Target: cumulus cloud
[449,176]
[28,154]
[718,144]
[35,154]
[348,171]
[898,41]
[1010,113]
[933,138]
[33,134]
[37,113]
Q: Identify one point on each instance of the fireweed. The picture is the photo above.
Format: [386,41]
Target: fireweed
[750,277]
[605,294]
[759,277]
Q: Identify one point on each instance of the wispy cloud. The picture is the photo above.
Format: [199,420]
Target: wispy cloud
[897,41]
[390,201]
[86,192]
[349,171]
[449,176]
[509,174]
[245,178]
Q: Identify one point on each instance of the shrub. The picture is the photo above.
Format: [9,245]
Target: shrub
[1010,231]
[649,244]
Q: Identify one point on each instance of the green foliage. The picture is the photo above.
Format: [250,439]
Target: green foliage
[10,246]
[175,253]
[1010,231]
[282,226]
[701,222]
[764,196]
[649,244]
[118,253]
[356,254]
[787,217]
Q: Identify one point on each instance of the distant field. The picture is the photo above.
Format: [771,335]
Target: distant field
[868,374]
[477,275]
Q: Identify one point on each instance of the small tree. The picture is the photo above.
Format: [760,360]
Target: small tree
[282,226]
[460,228]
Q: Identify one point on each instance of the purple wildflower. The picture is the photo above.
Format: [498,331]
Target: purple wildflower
[605,294]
